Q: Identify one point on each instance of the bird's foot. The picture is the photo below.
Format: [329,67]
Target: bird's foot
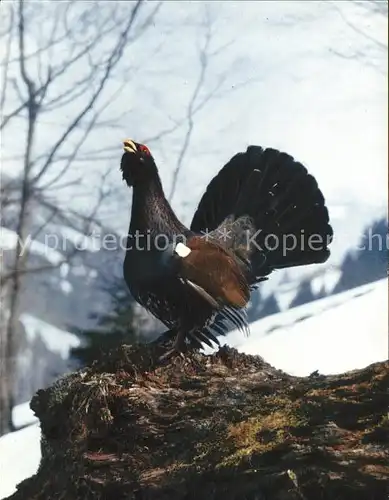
[172,353]
[182,360]
[178,350]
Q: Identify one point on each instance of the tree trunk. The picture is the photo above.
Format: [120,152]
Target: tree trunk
[9,334]
[6,394]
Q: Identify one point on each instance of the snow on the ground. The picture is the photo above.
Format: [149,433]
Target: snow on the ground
[20,451]
[335,334]
[22,415]
[20,455]
[56,340]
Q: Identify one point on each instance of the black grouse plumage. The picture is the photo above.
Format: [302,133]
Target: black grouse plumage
[260,197]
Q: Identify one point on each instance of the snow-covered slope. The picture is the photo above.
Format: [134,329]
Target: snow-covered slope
[22,415]
[56,340]
[19,451]
[332,335]
[20,455]
[43,355]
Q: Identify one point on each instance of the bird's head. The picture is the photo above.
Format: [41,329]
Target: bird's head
[137,163]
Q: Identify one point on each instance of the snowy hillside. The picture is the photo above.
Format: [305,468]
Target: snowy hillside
[43,356]
[14,446]
[19,458]
[66,294]
[284,287]
[23,416]
[56,340]
[332,335]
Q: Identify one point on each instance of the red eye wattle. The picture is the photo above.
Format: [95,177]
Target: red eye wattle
[144,149]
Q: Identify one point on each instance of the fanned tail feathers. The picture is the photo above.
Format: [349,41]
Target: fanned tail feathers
[278,203]
[275,217]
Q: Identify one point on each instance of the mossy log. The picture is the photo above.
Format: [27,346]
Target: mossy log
[227,426]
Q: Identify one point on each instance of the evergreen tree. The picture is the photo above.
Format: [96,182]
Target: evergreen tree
[115,328]
[370,262]
[373,258]
[321,293]
[270,306]
[304,294]
[253,311]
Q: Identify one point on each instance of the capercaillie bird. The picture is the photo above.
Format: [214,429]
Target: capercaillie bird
[263,211]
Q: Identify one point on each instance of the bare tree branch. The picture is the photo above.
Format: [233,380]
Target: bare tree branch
[6,61]
[112,61]
[196,104]
[204,62]
[55,73]
[33,86]
[377,6]
[358,56]
[358,30]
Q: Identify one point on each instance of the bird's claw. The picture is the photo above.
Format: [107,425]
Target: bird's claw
[172,352]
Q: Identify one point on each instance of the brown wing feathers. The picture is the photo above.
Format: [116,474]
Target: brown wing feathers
[215,270]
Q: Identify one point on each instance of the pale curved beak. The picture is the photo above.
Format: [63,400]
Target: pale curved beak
[129,146]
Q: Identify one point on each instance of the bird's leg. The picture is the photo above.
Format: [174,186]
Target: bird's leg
[164,337]
[179,346]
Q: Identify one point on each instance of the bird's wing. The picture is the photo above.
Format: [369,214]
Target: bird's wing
[216,270]
[215,273]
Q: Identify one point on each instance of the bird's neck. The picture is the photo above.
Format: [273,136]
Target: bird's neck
[151,212]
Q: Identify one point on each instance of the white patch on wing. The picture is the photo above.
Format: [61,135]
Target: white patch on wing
[182,250]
